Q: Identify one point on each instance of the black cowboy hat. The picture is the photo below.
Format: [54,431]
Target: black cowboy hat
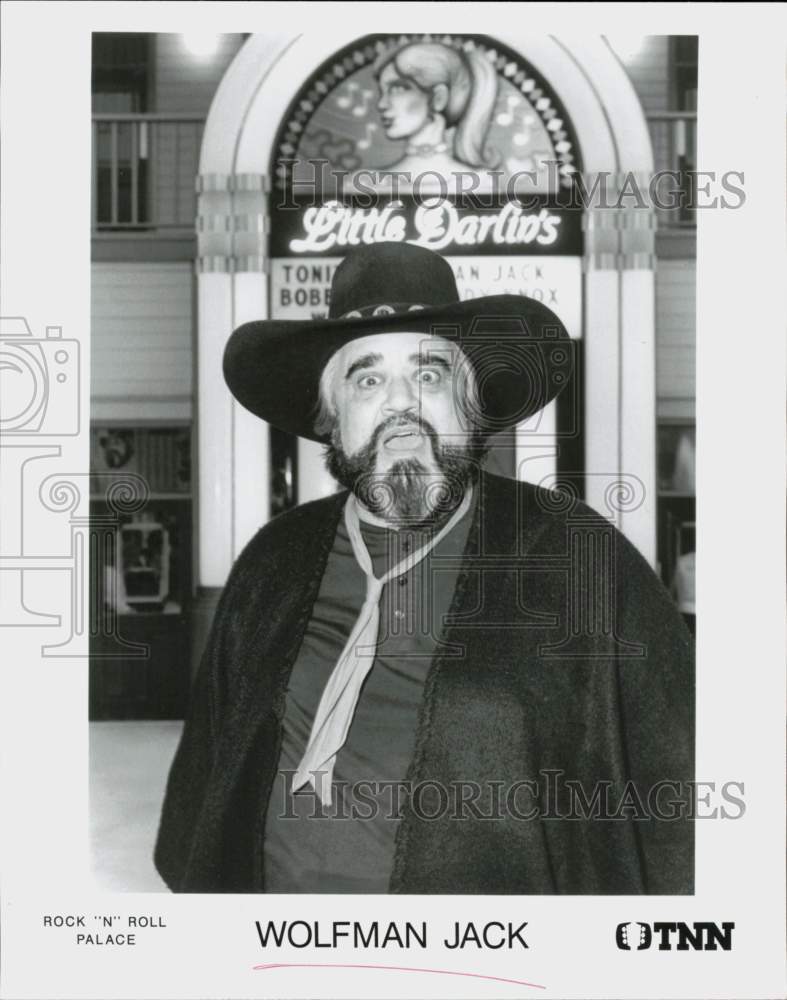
[519,349]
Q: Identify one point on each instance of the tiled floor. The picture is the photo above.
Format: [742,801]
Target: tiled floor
[129,763]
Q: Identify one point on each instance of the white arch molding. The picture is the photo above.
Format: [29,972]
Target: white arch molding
[619,334]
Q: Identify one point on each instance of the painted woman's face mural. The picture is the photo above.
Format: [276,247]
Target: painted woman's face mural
[403,106]
[415,105]
[442,100]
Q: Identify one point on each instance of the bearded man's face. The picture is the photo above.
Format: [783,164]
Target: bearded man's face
[400,442]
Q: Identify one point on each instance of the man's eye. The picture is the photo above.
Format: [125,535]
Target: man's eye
[429,376]
[368,381]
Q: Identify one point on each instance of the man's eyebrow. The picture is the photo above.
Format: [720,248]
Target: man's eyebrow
[431,358]
[365,361]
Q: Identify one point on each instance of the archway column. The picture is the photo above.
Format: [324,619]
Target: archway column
[602,401]
[637,261]
[214,434]
[232,444]
[620,387]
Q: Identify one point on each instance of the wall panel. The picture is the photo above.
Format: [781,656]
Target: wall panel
[141,340]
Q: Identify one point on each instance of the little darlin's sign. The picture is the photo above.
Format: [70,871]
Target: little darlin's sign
[334,227]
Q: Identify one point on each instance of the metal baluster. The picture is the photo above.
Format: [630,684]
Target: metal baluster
[152,176]
[144,154]
[134,174]
[176,174]
[94,185]
[113,172]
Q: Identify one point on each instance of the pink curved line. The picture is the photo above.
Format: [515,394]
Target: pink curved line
[393,968]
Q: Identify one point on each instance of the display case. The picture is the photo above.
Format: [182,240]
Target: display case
[141,573]
[677,512]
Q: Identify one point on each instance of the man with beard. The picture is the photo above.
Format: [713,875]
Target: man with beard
[395,673]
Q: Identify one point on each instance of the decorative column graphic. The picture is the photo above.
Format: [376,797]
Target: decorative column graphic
[95,558]
[590,619]
[39,404]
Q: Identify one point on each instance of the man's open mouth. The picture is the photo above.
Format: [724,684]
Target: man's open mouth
[402,432]
[403,438]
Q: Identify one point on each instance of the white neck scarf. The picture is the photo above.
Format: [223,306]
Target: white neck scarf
[340,697]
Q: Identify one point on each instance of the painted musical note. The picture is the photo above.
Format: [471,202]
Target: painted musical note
[346,98]
[524,166]
[361,108]
[369,131]
[507,117]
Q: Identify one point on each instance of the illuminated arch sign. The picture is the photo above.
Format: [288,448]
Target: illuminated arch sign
[452,142]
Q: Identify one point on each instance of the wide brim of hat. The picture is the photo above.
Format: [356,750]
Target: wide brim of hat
[519,348]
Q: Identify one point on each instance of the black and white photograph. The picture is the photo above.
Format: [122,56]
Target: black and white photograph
[371,537]
[441,397]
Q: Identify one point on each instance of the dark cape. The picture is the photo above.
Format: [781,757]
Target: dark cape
[567,667]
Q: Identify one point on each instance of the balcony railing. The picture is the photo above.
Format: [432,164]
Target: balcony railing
[144,166]
[673,135]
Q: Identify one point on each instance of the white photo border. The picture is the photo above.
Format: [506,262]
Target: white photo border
[209,946]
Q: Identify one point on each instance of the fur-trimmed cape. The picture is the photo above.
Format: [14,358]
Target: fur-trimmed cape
[574,698]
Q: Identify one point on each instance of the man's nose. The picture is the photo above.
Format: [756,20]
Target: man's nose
[402,396]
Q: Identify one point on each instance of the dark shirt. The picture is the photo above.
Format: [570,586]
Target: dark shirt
[349,846]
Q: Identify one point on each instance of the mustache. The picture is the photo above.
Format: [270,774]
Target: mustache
[392,423]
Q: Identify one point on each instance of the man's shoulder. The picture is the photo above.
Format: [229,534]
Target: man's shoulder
[544,516]
[556,524]
[292,533]
[551,502]
[510,504]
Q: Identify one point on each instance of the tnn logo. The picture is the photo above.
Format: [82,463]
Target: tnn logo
[688,937]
